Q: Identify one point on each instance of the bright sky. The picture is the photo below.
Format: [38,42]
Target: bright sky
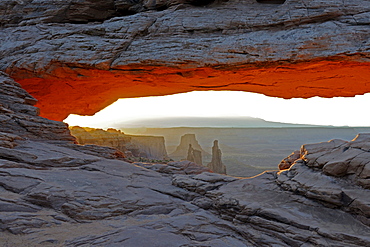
[337,111]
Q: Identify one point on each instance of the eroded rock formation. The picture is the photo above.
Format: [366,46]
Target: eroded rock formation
[151,147]
[296,49]
[194,155]
[181,151]
[54,192]
[287,162]
[216,164]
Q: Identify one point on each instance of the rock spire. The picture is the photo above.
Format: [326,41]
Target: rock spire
[216,164]
[194,155]
[181,151]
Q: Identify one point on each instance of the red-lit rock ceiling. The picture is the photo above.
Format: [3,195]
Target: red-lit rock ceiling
[296,49]
[86,91]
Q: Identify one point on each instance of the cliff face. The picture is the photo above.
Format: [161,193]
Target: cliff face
[80,56]
[151,147]
[54,192]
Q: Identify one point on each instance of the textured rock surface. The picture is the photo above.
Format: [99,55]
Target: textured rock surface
[296,49]
[348,160]
[216,164]
[58,193]
[175,167]
[19,118]
[151,147]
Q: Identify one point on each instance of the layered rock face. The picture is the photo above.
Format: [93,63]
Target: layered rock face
[19,118]
[54,192]
[181,151]
[151,147]
[80,56]
[28,12]
[216,164]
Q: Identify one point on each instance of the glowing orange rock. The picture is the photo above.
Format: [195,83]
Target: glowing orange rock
[85,91]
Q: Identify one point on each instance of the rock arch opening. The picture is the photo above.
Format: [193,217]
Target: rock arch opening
[225,109]
[68,89]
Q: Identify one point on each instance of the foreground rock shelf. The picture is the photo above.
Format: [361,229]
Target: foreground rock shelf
[57,193]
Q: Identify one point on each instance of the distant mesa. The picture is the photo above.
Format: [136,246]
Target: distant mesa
[235,122]
[216,164]
[150,147]
[181,151]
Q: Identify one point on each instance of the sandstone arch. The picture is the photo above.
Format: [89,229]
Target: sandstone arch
[287,50]
[86,91]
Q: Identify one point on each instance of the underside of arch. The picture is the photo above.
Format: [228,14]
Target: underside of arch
[67,89]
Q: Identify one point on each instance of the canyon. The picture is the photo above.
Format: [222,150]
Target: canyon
[247,152]
[63,57]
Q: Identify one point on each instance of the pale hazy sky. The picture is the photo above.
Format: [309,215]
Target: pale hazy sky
[337,111]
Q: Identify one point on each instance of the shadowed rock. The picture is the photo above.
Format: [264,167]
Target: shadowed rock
[19,118]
